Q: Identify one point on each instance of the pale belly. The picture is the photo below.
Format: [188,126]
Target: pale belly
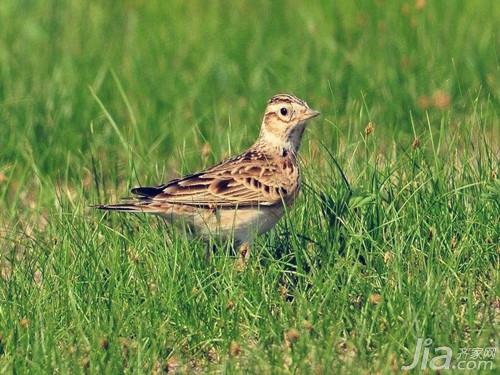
[241,225]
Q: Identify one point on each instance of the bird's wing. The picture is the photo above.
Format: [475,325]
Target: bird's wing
[250,179]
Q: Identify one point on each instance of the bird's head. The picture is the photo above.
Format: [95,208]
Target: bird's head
[284,122]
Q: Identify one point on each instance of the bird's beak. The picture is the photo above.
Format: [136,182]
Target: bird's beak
[310,113]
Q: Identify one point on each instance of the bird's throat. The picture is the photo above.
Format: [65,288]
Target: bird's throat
[288,143]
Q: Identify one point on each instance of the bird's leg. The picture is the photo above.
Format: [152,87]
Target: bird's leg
[243,255]
[244,251]
[209,250]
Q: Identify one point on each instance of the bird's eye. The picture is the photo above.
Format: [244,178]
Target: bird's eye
[284,111]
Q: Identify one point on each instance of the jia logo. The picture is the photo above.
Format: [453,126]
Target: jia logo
[441,358]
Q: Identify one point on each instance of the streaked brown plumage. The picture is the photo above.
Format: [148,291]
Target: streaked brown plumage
[243,196]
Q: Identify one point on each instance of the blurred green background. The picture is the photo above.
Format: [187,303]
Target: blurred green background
[98,96]
[199,71]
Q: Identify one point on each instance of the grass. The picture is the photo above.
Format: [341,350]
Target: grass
[96,97]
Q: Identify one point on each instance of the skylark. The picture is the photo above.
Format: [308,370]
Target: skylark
[240,197]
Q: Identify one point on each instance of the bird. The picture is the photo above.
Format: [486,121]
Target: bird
[243,196]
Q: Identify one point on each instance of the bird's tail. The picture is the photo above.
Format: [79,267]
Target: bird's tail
[128,207]
[143,202]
